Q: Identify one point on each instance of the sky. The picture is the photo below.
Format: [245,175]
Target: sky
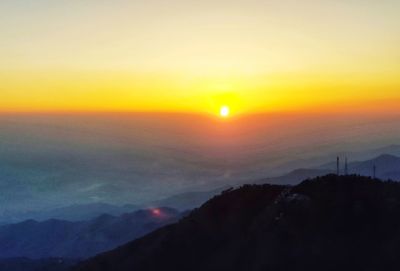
[196,56]
[273,64]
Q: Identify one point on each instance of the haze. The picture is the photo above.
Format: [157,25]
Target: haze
[50,160]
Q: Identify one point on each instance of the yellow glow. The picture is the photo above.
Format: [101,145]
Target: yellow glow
[123,91]
[224,111]
[151,56]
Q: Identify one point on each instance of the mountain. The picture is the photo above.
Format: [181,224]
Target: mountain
[79,212]
[327,223]
[60,238]
[387,167]
[390,149]
[191,200]
[295,176]
[315,161]
[188,200]
[76,212]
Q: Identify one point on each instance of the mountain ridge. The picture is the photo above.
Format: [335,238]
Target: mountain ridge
[79,239]
[346,221]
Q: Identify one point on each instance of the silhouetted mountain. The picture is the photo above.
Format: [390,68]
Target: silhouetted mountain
[295,176]
[387,167]
[25,264]
[77,212]
[189,200]
[81,212]
[315,161]
[60,238]
[327,223]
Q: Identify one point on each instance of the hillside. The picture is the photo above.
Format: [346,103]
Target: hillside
[60,238]
[327,223]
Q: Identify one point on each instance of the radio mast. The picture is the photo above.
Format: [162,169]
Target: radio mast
[337,166]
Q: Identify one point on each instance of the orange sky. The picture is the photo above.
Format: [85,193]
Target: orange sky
[186,56]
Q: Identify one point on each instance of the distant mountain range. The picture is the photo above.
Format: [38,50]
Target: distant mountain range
[77,212]
[387,167]
[327,223]
[66,239]
[81,231]
[295,176]
[81,212]
[188,200]
[361,155]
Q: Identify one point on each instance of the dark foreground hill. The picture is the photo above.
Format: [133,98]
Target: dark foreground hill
[327,223]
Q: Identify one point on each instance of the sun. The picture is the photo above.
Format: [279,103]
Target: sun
[224,111]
